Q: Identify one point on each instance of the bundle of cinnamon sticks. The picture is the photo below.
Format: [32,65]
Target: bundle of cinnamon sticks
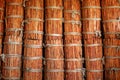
[111,28]
[33,40]
[12,50]
[92,38]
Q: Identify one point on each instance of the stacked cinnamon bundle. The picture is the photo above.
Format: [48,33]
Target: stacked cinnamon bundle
[12,51]
[91,19]
[33,38]
[111,28]
[54,55]
[72,40]
[2,10]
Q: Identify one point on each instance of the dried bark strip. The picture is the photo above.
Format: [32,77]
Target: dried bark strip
[112,59]
[91,19]
[34,18]
[111,18]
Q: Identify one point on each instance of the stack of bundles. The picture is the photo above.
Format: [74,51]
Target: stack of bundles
[11,68]
[54,55]
[72,40]
[33,37]
[91,16]
[111,28]
[2,6]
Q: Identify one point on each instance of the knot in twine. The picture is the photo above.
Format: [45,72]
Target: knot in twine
[98,34]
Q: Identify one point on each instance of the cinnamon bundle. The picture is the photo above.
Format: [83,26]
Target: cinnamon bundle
[91,21]
[33,40]
[54,60]
[54,55]
[111,28]
[93,59]
[111,18]
[53,19]
[12,57]
[73,41]
[34,18]
[32,60]
[112,59]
